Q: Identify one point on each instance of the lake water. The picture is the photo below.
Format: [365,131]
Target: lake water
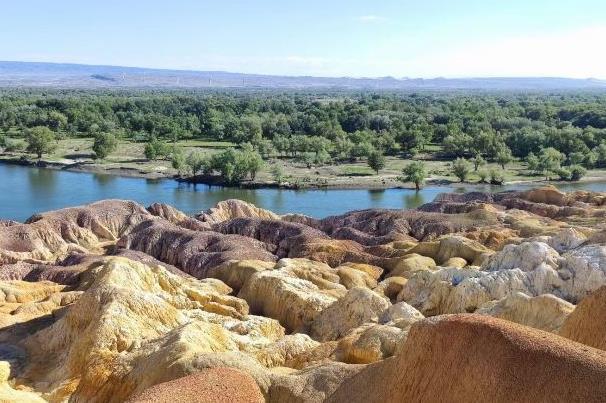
[25,191]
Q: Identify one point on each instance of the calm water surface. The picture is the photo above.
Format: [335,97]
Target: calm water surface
[25,191]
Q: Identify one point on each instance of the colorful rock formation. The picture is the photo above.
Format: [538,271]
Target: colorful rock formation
[112,301]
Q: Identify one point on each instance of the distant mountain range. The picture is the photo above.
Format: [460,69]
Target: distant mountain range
[62,75]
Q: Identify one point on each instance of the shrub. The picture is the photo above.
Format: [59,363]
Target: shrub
[496,177]
[415,172]
[40,140]
[14,145]
[196,162]
[577,172]
[376,161]
[104,145]
[156,149]
[277,173]
[461,169]
[483,176]
[563,173]
[178,160]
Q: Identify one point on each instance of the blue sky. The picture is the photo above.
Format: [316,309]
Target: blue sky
[402,38]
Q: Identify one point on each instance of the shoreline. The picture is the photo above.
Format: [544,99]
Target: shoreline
[128,172]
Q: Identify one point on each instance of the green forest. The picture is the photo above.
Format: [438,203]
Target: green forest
[553,134]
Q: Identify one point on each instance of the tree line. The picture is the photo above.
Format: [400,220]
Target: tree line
[322,127]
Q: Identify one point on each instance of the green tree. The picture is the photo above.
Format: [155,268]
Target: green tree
[600,152]
[483,175]
[178,160]
[40,140]
[150,151]
[478,161]
[277,173]
[104,145]
[415,172]
[563,173]
[156,149]
[503,156]
[577,172]
[576,158]
[253,162]
[496,177]
[376,161]
[533,163]
[197,161]
[461,168]
[550,161]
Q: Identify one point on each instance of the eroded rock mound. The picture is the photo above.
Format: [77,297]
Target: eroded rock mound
[587,323]
[223,385]
[104,301]
[230,209]
[49,237]
[136,326]
[192,251]
[446,350]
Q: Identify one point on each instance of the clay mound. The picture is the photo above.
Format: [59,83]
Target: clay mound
[233,208]
[148,260]
[395,225]
[207,386]
[282,235]
[462,358]
[587,323]
[194,252]
[67,271]
[68,275]
[176,217]
[51,236]
[468,197]
[136,326]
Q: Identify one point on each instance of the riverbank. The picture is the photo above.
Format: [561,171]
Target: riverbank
[145,170]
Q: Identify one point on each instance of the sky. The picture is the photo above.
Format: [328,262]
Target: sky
[372,38]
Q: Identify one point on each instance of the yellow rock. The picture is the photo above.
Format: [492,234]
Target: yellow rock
[458,262]
[391,287]
[453,246]
[545,312]
[410,264]
[9,394]
[136,326]
[235,273]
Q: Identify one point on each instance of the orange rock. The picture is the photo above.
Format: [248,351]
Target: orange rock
[587,323]
[468,358]
[214,385]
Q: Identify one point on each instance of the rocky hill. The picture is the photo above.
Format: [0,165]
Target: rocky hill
[64,75]
[473,297]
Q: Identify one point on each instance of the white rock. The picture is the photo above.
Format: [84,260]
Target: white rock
[526,256]
[360,305]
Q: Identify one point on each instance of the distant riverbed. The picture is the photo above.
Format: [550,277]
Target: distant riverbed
[28,190]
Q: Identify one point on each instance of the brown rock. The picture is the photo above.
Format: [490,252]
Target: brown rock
[587,323]
[207,386]
[463,358]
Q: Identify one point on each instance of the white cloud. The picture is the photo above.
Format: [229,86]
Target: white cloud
[370,18]
[573,53]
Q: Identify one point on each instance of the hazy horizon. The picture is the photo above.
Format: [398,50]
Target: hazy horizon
[315,38]
[294,76]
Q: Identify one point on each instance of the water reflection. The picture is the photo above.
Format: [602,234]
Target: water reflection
[414,200]
[103,179]
[25,191]
[41,181]
[376,195]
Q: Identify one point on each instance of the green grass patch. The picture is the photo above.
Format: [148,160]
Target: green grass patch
[356,171]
